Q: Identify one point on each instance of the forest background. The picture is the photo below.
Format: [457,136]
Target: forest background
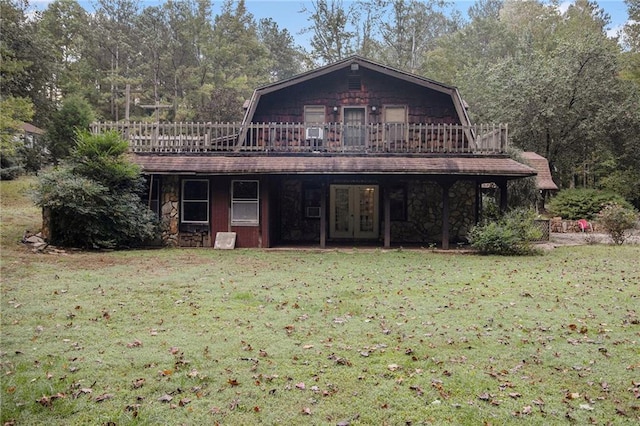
[567,87]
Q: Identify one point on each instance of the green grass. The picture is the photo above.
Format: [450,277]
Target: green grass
[291,337]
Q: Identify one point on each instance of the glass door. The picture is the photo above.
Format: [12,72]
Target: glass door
[353,211]
[354,127]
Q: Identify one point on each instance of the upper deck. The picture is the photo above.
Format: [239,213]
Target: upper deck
[326,138]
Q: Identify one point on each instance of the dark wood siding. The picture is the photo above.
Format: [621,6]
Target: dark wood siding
[425,105]
[246,236]
[220,205]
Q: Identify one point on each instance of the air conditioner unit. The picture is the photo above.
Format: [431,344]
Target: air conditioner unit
[313,211]
[314,133]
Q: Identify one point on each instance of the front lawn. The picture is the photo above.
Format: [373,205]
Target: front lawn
[360,337]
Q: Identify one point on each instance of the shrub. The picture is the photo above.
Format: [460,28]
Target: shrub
[617,220]
[94,199]
[582,203]
[10,167]
[74,115]
[512,234]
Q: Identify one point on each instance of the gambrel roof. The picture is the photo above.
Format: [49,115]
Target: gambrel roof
[365,64]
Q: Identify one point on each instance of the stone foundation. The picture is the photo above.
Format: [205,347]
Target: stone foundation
[194,239]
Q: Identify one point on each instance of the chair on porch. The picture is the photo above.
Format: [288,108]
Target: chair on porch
[585,225]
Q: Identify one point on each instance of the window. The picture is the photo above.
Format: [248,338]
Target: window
[398,203]
[195,201]
[245,206]
[314,114]
[395,118]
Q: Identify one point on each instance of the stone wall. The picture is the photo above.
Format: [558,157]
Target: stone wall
[169,210]
[174,234]
[424,210]
[294,226]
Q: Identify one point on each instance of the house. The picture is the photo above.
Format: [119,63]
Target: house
[353,152]
[30,135]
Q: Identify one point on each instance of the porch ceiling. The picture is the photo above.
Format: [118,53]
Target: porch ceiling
[338,165]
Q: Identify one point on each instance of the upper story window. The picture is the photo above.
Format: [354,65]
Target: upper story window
[395,114]
[314,114]
[195,201]
[395,118]
[245,202]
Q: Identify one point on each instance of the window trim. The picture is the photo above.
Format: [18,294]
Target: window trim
[183,200]
[256,201]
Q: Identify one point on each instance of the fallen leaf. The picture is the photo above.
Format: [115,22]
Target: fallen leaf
[300,386]
[393,367]
[586,407]
[135,344]
[138,383]
[44,401]
[306,411]
[165,398]
[184,401]
[418,390]
[104,397]
[233,382]
[485,396]
[82,391]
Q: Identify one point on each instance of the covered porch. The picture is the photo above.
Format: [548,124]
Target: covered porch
[336,200]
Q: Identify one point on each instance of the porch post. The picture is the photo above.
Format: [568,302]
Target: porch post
[478,208]
[445,214]
[323,215]
[387,218]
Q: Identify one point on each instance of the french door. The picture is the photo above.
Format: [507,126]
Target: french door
[354,127]
[353,211]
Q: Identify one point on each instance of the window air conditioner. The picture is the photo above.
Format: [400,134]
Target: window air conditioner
[314,133]
[313,211]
